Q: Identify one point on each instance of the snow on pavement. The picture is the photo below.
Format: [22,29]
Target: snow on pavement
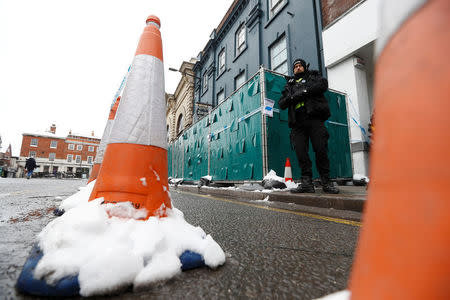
[342,295]
[110,248]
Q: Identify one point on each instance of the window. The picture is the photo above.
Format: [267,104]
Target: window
[275,6]
[71,147]
[32,154]
[240,39]
[180,124]
[205,82]
[239,80]
[278,56]
[46,169]
[90,159]
[69,157]
[34,142]
[222,61]
[221,96]
[51,157]
[78,159]
[69,169]
[53,144]
[79,147]
[91,148]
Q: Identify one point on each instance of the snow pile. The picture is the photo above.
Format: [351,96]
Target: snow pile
[359,177]
[272,175]
[110,248]
[342,295]
[78,198]
[207,177]
[175,180]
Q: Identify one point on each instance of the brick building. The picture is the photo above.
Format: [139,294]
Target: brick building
[71,155]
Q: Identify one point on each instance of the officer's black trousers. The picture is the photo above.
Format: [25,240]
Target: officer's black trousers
[315,131]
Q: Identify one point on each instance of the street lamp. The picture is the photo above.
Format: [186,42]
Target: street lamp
[184,73]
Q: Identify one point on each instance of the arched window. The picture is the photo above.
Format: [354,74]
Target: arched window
[180,124]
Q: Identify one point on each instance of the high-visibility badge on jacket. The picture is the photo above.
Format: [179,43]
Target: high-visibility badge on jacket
[300,104]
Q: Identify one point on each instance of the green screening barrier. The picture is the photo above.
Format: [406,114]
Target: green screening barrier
[235,135]
[228,144]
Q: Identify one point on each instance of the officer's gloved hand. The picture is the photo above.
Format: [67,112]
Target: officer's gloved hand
[300,93]
[290,80]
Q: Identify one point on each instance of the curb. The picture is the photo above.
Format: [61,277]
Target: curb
[342,201]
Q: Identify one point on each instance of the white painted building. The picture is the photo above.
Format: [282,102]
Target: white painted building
[348,43]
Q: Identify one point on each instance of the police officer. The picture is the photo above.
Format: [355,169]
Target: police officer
[307,111]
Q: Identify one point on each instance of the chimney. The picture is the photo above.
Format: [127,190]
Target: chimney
[53,128]
[92,133]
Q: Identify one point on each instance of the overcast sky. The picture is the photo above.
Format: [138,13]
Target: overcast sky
[62,61]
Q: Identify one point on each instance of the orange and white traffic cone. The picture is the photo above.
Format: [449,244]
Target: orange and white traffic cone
[134,167]
[104,141]
[287,171]
[404,246]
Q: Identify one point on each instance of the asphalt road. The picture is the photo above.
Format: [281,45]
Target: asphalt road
[272,253]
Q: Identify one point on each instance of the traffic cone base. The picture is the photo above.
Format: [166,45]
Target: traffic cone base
[133,177]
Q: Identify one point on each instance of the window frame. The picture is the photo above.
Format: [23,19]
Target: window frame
[76,159]
[56,144]
[222,91]
[205,82]
[275,9]
[90,160]
[91,147]
[71,157]
[239,48]
[224,54]
[51,156]
[285,61]
[32,154]
[242,73]
[79,147]
[73,147]
[32,144]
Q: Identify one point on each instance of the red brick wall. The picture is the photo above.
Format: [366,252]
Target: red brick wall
[43,149]
[333,9]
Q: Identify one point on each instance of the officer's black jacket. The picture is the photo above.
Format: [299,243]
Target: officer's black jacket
[310,90]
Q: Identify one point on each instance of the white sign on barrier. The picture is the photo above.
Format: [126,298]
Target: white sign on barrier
[268,107]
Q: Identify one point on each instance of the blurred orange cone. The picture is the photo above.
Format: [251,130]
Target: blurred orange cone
[105,138]
[134,167]
[404,246]
[287,170]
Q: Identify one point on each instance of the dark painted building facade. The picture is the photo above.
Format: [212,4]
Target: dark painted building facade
[254,33]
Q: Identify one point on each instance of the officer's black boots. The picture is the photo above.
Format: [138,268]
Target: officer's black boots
[306,186]
[328,187]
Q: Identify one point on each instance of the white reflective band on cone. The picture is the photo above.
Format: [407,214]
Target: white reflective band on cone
[104,142]
[141,116]
[392,15]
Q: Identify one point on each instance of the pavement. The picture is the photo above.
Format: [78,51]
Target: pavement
[348,204]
